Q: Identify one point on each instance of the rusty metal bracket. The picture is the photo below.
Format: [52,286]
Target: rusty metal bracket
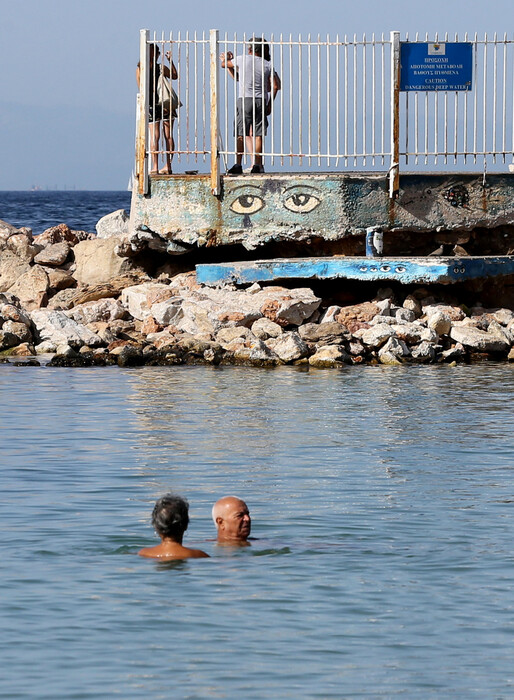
[394,170]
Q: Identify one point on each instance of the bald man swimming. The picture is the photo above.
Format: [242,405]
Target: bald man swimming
[232,519]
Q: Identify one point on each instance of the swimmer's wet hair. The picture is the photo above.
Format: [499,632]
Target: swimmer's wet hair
[170,516]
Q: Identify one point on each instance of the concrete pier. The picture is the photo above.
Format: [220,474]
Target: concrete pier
[328,211]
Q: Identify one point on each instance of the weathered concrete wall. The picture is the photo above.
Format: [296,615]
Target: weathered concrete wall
[180,212]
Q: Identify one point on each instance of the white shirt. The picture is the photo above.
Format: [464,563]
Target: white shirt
[254,75]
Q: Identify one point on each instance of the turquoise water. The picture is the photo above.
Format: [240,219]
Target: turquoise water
[383,500]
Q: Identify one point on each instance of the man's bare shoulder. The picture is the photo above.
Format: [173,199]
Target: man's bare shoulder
[198,554]
[169,554]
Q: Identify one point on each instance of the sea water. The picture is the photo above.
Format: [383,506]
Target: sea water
[80,210]
[382,501]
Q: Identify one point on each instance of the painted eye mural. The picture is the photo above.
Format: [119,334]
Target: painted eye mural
[248,201]
[301,199]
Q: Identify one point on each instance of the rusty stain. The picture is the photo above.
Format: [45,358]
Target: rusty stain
[484,199]
[391,212]
[215,160]
[394,172]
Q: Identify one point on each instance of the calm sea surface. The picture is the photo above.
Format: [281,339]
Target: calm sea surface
[42,209]
[383,500]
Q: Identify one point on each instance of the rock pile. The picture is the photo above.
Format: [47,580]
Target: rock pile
[67,293]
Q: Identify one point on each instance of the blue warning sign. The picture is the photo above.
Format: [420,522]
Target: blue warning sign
[436,66]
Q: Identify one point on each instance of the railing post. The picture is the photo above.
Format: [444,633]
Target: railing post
[215,159]
[394,169]
[142,116]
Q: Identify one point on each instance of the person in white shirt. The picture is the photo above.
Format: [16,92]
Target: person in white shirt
[256,90]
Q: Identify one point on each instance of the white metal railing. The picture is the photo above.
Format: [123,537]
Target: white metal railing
[321,116]
[339,106]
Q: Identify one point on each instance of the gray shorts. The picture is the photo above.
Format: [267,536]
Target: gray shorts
[251,115]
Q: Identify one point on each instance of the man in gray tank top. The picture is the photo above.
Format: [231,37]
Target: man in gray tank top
[256,90]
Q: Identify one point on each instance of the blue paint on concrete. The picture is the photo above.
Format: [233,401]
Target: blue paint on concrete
[405,270]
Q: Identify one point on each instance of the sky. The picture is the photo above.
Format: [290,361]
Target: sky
[67,84]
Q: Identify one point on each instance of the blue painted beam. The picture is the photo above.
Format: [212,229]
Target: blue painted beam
[405,270]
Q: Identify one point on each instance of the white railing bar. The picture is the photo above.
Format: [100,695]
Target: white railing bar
[495,92]
[363,100]
[318,104]
[383,110]
[373,92]
[328,96]
[512,112]
[355,97]
[465,117]
[300,99]
[179,92]
[338,103]
[475,105]
[281,100]
[346,100]
[504,96]
[272,114]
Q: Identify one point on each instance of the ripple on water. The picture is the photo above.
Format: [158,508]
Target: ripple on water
[382,499]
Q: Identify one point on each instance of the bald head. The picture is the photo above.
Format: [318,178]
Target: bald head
[232,519]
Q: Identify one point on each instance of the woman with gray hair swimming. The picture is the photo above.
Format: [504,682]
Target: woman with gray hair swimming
[170,519]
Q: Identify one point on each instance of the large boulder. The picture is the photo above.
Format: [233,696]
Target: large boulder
[357,315]
[414,333]
[289,347]
[167,312]
[327,333]
[455,313]
[226,335]
[329,356]
[412,304]
[96,262]
[53,255]
[59,279]
[58,329]
[440,322]
[7,230]
[424,352]
[376,336]
[140,298]
[21,245]
[12,267]
[10,312]
[57,234]
[18,329]
[95,311]
[393,352]
[8,340]
[113,225]
[287,307]
[478,340]
[263,328]
[31,288]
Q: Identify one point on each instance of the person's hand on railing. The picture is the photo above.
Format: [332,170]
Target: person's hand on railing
[225,58]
